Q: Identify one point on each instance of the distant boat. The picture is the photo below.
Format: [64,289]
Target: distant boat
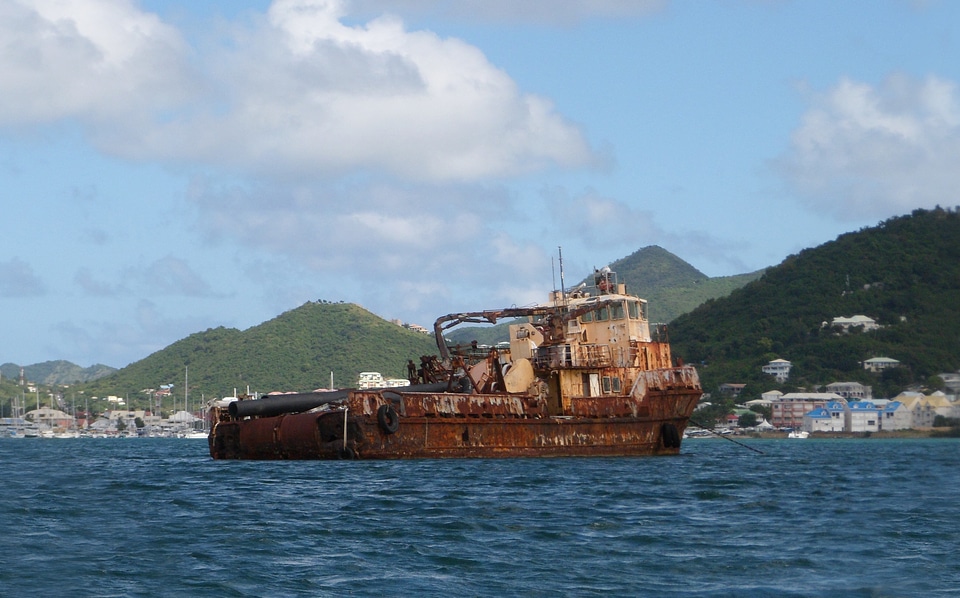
[798,434]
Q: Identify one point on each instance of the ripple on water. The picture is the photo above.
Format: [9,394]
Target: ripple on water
[159,518]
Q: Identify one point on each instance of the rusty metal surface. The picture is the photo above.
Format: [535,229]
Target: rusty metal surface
[612,396]
[450,425]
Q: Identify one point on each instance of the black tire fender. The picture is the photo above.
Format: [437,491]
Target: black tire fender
[669,436]
[388,419]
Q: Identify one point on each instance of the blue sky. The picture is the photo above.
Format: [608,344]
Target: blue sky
[171,166]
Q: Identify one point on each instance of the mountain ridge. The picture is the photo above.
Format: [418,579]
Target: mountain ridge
[903,273]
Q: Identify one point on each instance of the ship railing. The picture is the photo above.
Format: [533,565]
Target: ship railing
[573,356]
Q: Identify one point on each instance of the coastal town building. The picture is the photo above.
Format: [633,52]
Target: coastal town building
[878,364]
[925,409]
[832,417]
[951,382]
[411,327]
[779,369]
[50,418]
[864,417]
[788,410]
[770,395]
[858,417]
[46,422]
[895,416]
[731,389]
[860,321]
[376,380]
[852,391]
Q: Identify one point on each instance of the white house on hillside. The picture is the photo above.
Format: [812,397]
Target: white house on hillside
[878,364]
[852,391]
[856,321]
[778,368]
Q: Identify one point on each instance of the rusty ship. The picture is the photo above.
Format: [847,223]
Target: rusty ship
[584,374]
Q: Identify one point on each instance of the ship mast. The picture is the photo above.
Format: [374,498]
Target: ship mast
[563,287]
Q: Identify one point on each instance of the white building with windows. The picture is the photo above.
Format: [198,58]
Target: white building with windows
[864,417]
[832,417]
[778,368]
[788,410]
[924,409]
[895,416]
[878,364]
[376,380]
[856,321]
[851,391]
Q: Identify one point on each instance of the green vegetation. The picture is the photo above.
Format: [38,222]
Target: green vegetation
[55,372]
[903,273]
[670,285]
[295,351]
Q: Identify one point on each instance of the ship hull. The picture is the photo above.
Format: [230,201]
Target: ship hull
[391,425]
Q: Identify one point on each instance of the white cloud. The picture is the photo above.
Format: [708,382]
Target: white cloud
[173,276]
[145,328]
[601,221]
[410,247]
[101,61]
[599,227]
[294,93]
[166,276]
[17,279]
[864,152]
[545,12]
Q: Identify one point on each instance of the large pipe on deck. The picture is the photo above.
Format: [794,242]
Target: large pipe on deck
[289,403]
[305,401]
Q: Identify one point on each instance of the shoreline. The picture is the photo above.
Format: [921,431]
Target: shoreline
[923,433]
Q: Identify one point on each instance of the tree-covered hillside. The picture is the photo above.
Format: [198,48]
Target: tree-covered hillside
[55,372]
[295,351]
[670,285]
[904,273]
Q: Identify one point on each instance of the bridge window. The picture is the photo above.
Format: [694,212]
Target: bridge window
[634,308]
[603,314]
[616,311]
[611,384]
[587,317]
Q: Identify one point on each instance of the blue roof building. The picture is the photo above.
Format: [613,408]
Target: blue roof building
[832,417]
[864,416]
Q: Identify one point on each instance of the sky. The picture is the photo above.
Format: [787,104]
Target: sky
[170,166]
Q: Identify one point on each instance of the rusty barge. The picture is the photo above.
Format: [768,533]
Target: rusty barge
[584,374]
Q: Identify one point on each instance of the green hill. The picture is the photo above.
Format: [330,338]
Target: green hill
[670,285]
[55,372]
[904,273]
[295,351]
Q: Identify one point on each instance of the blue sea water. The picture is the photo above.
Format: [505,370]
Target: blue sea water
[158,517]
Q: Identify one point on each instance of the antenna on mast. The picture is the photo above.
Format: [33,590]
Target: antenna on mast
[563,288]
[553,273]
